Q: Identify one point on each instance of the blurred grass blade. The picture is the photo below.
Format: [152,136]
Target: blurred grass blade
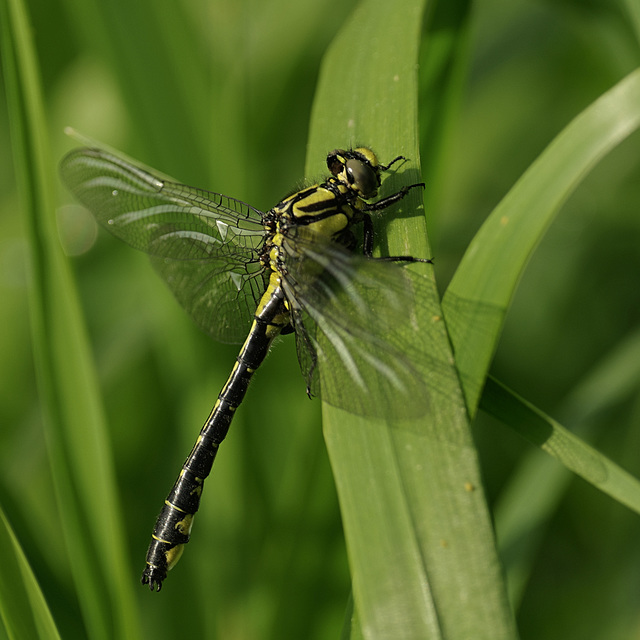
[566,447]
[419,536]
[527,503]
[479,294]
[23,609]
[148,64]
[633,10]
[444,58]
[75,431]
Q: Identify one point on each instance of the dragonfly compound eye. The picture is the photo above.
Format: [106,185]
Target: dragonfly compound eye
[362,177]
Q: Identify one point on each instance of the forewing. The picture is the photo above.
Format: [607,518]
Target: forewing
[205,245]
[352,315]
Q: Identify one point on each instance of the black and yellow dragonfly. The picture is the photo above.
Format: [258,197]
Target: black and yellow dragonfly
[244,274]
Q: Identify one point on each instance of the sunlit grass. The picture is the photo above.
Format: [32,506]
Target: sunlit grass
[219,95]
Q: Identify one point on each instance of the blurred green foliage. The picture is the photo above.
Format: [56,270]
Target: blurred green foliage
[218,94]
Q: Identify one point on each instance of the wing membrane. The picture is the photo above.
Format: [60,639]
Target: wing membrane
[205,245]
[221,301]
[352,315]
[159,217]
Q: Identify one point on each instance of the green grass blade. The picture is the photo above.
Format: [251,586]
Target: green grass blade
[633,10]
[158,65]
[23,609]
[573,452]
[535,490]
[477,299]
[419,536]
[75,430]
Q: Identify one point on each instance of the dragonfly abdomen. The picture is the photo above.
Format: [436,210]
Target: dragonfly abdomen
[173,526]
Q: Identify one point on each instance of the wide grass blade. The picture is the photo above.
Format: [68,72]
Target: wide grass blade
[79,451]
[419,536]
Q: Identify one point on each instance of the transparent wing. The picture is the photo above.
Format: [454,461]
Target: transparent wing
[205,245]
[221,297]
[352,316]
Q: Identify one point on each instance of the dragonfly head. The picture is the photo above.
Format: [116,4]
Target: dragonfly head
[358,169]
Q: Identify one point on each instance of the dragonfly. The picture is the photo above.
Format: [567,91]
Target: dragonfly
[247,276]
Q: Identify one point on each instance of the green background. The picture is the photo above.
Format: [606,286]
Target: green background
[218,95]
